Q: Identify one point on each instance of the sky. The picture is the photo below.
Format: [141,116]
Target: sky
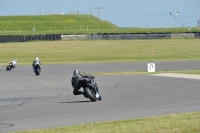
[123,13]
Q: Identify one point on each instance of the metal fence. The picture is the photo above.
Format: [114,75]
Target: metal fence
[4,31]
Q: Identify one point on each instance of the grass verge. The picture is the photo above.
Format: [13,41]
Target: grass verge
[175,123]
[70,52]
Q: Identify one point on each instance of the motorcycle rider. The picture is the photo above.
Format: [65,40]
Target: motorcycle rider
[14,63]
[36,59]
[77,80]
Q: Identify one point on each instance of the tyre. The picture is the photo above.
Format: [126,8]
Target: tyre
[8,68]
[37,72]
[89,94]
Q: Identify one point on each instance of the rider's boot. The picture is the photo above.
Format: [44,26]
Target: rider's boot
[78,92]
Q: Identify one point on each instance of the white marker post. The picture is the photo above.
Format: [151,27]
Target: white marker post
[151,67]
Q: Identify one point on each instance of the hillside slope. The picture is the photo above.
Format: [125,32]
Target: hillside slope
[44,23]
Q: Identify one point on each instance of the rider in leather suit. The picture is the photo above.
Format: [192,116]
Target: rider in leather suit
[14,63]
[33,64]
[79,78]
[76,81]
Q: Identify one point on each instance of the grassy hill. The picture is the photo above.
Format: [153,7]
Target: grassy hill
[43,24]
[71,24]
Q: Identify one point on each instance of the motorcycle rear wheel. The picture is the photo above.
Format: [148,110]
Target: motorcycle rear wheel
[89,94]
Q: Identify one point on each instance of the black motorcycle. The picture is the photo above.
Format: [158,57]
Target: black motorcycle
[91,89]
[36,68]
[9,66]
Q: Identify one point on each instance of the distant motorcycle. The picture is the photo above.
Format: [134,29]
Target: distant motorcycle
[9,66]
[91,89]
[36,68]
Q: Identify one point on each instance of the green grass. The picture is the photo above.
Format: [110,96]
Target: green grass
[175,123]
[71,24]
[70,52]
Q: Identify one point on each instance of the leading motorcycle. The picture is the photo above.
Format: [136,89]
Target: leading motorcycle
[36,67]
[9,66]
[91,89]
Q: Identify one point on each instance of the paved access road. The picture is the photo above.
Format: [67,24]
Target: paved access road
[33,102]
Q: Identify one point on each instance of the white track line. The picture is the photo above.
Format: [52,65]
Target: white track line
[175,75]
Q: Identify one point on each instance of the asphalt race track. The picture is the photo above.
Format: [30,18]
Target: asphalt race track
[34,102]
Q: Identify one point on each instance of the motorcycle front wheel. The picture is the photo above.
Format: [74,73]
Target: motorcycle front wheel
[8,68]
[37,71]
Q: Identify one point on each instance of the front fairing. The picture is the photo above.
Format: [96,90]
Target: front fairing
[36,67]
[36,63]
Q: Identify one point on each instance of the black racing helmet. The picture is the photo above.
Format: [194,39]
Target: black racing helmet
[76,72]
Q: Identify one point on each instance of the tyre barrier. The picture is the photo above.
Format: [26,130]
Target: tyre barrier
[29,38]
[197,35]
[128,36]
[141,36]
[112,36]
